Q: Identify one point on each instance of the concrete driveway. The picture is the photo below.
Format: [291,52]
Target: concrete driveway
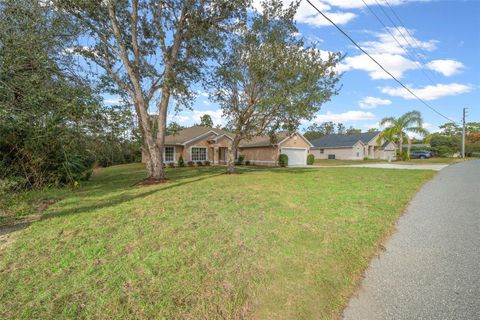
[436,167]
[431,266]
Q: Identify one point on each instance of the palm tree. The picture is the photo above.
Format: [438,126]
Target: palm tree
[398,128]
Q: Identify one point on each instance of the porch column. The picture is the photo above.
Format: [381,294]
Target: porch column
[215,155]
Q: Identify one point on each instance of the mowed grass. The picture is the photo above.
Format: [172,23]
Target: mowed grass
[434,160]
[264,244]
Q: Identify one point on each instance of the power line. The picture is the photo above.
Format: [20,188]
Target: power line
[377,63]
[398,42]
[405,38]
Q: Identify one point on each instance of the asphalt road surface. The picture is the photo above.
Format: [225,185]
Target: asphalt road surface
[431,266]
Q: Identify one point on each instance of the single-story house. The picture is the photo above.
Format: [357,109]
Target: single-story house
[262,151]
[211,144]
[353,147]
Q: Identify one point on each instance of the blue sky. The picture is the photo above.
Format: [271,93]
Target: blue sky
[441,64]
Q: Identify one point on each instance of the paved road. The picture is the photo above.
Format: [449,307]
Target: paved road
[431,266]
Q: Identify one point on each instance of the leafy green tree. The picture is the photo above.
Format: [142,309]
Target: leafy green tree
[316,130]
[397,129]
[206,121]
[173,128]
[150,49]
[46,113]
[372,130]
[352,130]
[267,80]
[341,128]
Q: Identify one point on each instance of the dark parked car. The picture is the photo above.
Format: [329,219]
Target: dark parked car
[420,155]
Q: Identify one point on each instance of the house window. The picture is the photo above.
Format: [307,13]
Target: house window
[331,157]
[198,154]
[322,151]
[358,154]
[169,154]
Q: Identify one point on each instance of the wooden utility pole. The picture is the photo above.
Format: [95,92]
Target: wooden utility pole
[463,132]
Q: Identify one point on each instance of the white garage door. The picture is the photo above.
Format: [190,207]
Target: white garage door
[296,157]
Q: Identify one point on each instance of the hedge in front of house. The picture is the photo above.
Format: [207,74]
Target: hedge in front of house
[310,159]
[283,160]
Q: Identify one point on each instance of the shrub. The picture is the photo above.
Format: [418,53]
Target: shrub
[310,159]
[403,155]
[247,163]
[181,162]
[199,163]
[365,158]
[171,165]
[240,159]
[283,160]
[207,163]
[191,163]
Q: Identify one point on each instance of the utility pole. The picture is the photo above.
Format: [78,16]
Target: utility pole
[463,132]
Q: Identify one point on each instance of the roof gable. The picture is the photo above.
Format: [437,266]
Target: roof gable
[191,134]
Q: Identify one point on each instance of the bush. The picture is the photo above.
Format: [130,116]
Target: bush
[365,158]
[171,165]
[207,163]
[283,160]
[199,163]
[474,154]
[240,159]
[191,163]
[403,155]
[247,163]
[12,184]
[181,162]
[310,159]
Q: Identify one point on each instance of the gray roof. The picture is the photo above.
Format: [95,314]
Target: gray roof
[343,140]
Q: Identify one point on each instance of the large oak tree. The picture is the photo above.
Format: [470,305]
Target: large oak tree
[153,51]
[268,80]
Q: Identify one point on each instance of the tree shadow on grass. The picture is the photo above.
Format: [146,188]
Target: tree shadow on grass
[117,200]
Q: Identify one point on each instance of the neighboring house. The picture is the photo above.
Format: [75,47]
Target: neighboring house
[353,147]
[211,144]
[262,151]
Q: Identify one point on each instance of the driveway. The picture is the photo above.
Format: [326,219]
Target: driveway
[436,167]
[431,266]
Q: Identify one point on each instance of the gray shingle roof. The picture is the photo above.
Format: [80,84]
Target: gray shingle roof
[342,140]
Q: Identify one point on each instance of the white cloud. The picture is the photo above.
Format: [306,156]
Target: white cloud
[430,92]
[344,117]
[179,118]
[446,67]
[385,43]
[372,102]
[307,14]
[394,63]
[388,53]
[356,4]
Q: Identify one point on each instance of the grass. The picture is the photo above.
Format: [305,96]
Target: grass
[435,160]
[336,162]
[264,244]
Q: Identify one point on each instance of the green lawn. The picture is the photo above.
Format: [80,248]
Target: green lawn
[435,160]
[326,162]
[264,244]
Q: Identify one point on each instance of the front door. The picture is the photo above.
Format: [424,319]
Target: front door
[222,155]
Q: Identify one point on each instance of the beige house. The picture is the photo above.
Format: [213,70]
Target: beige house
[211,144]
[263,151]
[353,147]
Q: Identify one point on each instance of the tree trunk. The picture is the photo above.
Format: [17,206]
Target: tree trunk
[400,146]
[153,163]
[231,155]
[409,147]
